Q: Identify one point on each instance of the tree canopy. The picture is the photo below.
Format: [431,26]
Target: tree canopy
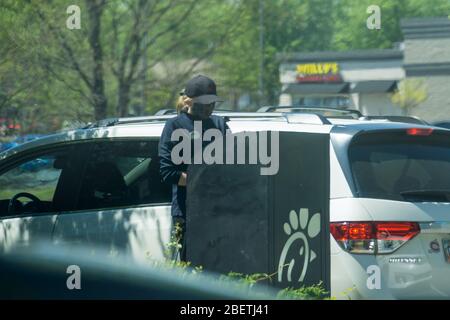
[133,56]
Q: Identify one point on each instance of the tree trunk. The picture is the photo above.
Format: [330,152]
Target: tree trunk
[123,99]
[100,107]
[98,85]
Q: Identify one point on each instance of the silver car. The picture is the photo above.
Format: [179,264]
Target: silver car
[389,197]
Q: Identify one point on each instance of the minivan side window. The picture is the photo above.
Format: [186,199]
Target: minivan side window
[122,174]
[30,186]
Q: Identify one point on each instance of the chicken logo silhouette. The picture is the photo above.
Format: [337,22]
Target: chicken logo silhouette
[300,229]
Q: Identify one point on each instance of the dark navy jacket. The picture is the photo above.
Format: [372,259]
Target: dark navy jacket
[170,172]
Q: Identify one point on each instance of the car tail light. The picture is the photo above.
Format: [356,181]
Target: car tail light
[419,131]
[373,237]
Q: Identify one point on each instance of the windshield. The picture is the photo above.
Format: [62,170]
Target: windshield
[396,166]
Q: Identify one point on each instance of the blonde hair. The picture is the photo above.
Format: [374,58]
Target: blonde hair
[180,105]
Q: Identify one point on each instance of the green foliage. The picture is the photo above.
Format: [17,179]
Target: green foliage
[247,279]
[239,280]
[41,85]
[350,31]
[411,93]
[174,244]
[304,293]
[346,293]
[250,282]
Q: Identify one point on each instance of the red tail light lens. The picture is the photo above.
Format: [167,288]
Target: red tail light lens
[373,237]
[397,230]
[360,231]
[419,131]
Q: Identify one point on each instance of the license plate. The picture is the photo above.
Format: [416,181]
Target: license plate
[446,248]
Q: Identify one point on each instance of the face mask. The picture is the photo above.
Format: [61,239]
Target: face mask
[202,111]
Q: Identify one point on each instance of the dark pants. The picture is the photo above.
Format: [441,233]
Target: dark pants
[178,235]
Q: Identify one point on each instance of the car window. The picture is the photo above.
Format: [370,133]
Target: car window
[387,166]
[38,177]
[122,173]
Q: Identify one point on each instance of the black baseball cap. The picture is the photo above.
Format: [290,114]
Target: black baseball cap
[202,90]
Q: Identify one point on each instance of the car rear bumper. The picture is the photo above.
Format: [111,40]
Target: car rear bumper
[411,272]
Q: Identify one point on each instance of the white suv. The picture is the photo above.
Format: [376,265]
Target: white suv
[389,197]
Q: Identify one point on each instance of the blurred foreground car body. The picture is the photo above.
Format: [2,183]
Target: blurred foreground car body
[42,271]
[389,196]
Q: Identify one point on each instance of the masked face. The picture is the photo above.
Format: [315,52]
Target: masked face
[202,111]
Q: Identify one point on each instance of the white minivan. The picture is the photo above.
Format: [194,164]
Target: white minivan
[389,197]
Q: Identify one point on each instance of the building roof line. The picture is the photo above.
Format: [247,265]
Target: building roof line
[421,28]
[369,54]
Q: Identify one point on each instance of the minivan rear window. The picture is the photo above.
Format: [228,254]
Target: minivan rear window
[396,166]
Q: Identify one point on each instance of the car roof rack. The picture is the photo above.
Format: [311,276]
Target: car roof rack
[160,118]
[298,115]
[355,114]
[116,121]
[343,114]
[163,112]
[404,119]
[305,118]
[101,123]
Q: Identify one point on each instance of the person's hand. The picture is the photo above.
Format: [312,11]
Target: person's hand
[183,179]
[187,102]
